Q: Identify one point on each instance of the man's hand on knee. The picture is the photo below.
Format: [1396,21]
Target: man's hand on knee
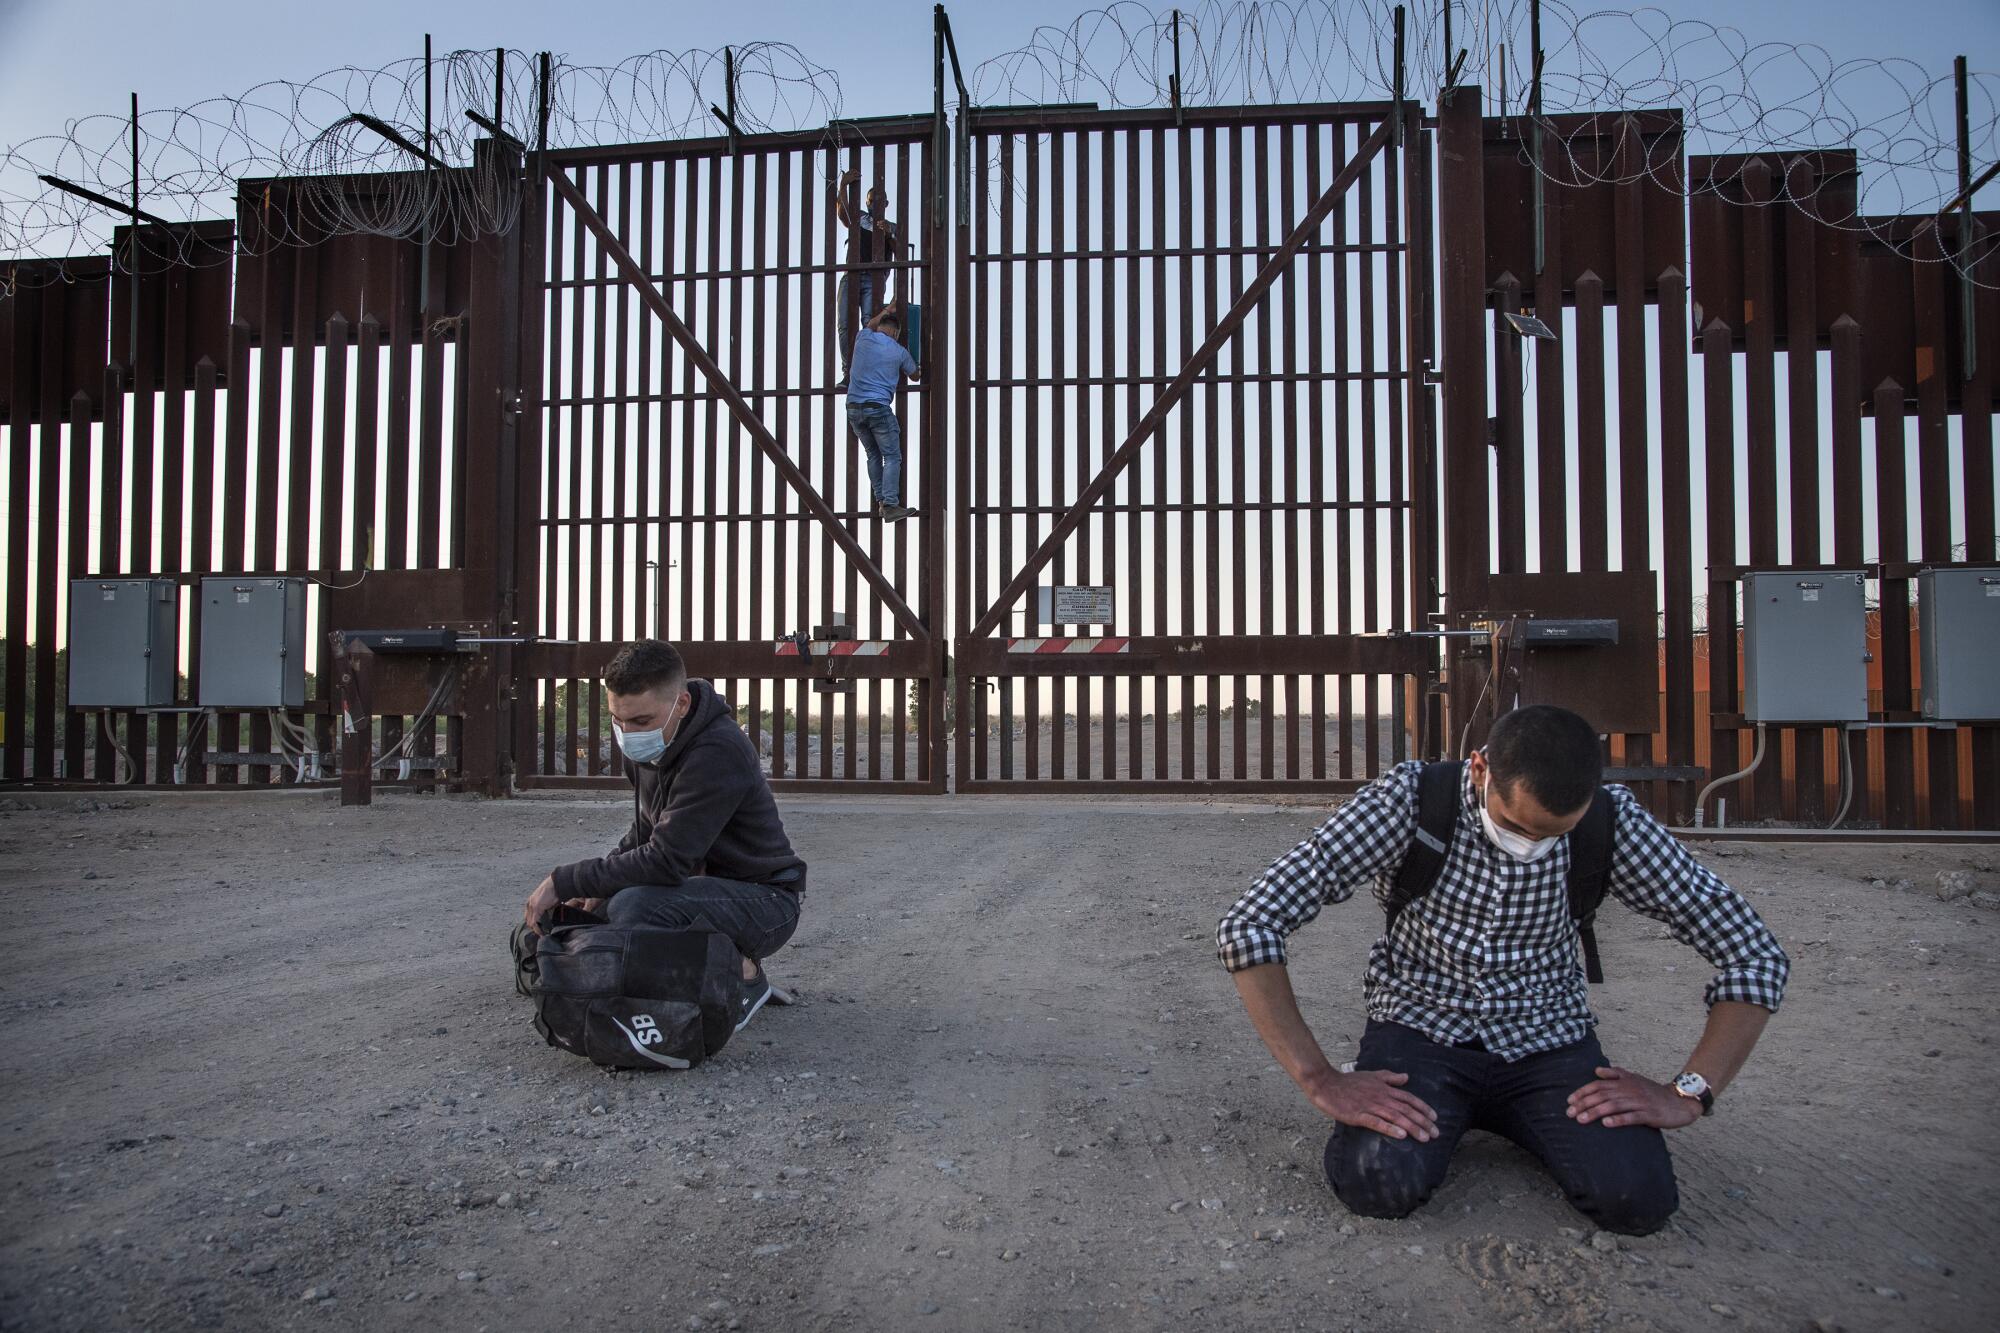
[1620,1097]
[540,902]
[595,906]
[1374,1099]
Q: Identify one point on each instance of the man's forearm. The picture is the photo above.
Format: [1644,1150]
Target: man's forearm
[1726,1042]
[1274,1011]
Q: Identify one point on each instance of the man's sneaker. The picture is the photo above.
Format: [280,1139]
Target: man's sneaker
[756,992]
[896,513]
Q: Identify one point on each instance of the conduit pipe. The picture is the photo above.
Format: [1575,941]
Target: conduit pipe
[1738,776]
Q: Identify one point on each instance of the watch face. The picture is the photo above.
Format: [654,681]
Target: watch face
[1692,1085]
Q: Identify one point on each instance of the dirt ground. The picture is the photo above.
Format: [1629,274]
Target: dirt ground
[263,1068]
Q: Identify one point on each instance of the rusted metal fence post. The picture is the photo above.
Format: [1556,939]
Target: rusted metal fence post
[357,727]
[1462,319]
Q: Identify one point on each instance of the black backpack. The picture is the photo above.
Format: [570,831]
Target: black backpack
[522,942]
[1590,846]
[637,997]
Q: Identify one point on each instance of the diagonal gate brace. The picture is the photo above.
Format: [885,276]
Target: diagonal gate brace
[739,407]
[1171,396]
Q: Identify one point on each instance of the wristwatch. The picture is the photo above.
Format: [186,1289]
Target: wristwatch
[1695,1087]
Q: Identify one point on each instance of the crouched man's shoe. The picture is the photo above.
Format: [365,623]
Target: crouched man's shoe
[758,992]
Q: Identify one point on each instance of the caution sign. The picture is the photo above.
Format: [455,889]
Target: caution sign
[1076,606]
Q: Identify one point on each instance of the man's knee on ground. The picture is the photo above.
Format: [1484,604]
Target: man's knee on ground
[1633,1199]
[1377,1176]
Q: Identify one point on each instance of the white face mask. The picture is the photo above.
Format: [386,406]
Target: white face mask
[1519,846]
[643,747]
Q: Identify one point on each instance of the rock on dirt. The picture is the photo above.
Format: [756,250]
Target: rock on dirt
[1953,885]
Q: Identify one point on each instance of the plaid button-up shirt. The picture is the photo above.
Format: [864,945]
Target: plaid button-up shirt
[1490,953]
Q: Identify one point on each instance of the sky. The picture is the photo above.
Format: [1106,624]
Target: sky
[54,67]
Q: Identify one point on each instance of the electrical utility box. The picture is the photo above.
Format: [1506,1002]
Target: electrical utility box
[253,643]
[1958,623]
[124,641]
[1805,647]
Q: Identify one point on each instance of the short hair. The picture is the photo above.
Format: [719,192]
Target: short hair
[1551,750]
[885,320]
[645,664]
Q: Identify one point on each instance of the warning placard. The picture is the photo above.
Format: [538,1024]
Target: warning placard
[1076,606]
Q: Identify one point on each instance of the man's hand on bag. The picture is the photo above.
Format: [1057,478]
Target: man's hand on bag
[1374,1099]
[1620,1097]
[594,906]
[539,903]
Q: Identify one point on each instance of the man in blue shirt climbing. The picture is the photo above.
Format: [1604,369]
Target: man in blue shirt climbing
[875,373]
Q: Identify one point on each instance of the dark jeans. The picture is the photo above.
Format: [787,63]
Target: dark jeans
[759,918]
[864,306]
[881,436]
[1621,1179]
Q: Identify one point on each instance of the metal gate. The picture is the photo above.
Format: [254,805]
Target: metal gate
[1188,350]
[1193,358]
[698,478]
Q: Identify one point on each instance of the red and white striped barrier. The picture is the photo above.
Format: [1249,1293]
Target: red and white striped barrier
[1069,645]
[837,647]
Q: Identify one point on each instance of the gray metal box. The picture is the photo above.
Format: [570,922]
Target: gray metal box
[253,641]
[1805,646]
[1958,622]
[124,640]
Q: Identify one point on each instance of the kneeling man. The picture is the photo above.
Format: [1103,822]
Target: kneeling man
[1477,1012]
[706,847]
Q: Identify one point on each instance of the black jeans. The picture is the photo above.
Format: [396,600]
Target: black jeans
[1621,1179]
[758,918]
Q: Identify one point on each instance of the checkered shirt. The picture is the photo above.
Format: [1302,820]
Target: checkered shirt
[1490,953]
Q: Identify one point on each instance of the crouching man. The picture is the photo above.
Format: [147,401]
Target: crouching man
[706,847]
[1477,1010]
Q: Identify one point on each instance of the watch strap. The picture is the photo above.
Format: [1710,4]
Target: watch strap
[1706,1096]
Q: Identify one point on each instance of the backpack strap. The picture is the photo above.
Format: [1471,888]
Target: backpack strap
[1590,848]
[1590,845]
[1437,817]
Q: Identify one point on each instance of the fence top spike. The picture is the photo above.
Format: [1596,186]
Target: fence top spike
[79,398]
[1715,325]
[1846,322]
[1672,273]
[1589,275]
[1889,385]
